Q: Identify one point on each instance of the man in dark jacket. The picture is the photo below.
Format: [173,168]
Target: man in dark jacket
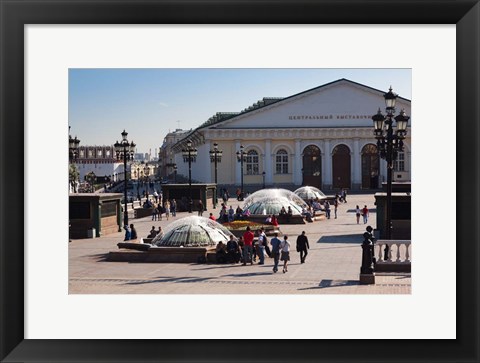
[302,246]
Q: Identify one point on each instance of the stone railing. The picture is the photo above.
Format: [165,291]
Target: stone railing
[398,257]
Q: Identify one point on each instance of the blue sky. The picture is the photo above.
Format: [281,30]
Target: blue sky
[147,103]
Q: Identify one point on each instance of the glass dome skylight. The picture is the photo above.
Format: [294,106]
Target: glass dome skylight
[307,193]
[193,231]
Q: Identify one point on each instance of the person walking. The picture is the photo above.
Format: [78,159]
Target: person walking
[155,212]
[285,253]
[365,214]
[248,237]
[262,240]
[167,209]
[344,195]
[302,246]
[173,208]
[327,209]
[357,214]
[335,207]
[200,208]
[275,242]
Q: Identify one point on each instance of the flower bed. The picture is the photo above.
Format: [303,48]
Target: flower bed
[237,228]
[242,225]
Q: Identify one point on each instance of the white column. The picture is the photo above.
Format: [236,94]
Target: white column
[383,172]
[297,164]
[210,169]
[268,163]
[238,169]
[327,177]
[357,162]
[408,165]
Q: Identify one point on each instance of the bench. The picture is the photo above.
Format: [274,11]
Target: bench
[142,212]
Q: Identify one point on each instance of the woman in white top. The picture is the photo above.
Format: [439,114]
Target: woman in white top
[357,213]
[285,252]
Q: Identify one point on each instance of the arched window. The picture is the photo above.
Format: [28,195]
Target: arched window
[252,162]
[281,162]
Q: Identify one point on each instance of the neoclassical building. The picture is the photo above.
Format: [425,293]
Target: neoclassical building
[321,137]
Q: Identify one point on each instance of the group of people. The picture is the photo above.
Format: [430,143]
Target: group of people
[230,214]
[167,208]
[153,232]
[130,232]
[246,250]
[362,212]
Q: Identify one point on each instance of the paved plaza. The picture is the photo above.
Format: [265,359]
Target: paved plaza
[332,265]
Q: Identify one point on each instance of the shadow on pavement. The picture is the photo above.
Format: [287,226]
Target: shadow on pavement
[370,210]
[171,279]
[99,257]
[249,274]
[344,238]
[332,283]
[213,267]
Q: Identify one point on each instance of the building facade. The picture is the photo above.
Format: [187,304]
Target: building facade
[166,157]
[101,160]
[321,137]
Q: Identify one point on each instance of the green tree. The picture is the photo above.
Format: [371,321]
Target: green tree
[73,176]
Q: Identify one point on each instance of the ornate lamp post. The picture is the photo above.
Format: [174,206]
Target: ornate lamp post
[389,144]
[240,158]
[125,150]
[215,157]
[189,155]
[263,175]
[175,173]
[72,147]
[73,144]
[146,172]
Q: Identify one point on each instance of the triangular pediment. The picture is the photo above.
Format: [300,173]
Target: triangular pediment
[342,103]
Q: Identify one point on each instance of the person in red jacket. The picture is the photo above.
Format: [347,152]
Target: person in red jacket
[247,246]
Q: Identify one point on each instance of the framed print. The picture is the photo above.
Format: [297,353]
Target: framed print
[41,321]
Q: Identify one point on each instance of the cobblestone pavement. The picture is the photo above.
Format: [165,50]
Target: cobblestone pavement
[332,265]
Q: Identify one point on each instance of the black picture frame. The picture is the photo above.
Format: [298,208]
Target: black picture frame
[465,14]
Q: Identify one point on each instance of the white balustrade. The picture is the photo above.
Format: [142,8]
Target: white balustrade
[401,249]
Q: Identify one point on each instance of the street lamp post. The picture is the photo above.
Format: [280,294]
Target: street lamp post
[73,145]
[146,172]
[263,175]
[215,157]
[189,155]
[389,144]
[125,151]
[240,158]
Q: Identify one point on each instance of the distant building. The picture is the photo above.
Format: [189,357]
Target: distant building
[101,160]
[166,156]
[143,170]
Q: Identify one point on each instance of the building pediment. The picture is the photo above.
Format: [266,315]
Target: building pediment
[339,104]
